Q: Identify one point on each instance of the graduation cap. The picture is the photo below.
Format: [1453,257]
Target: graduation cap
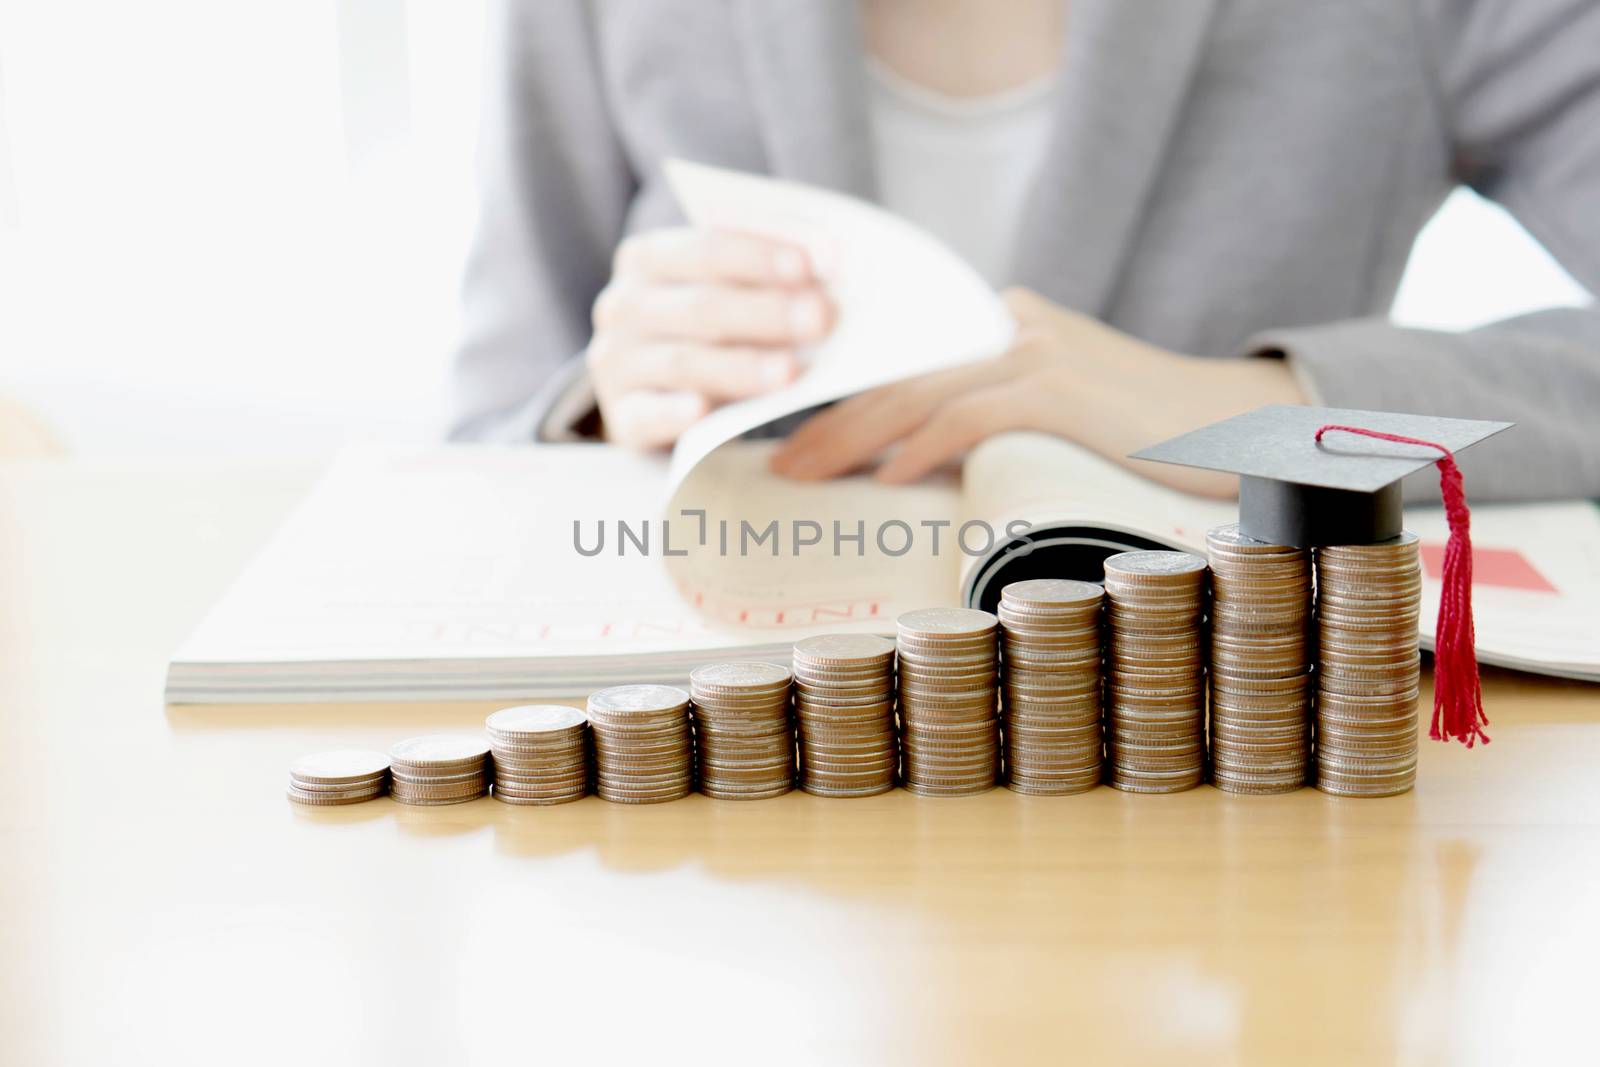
[1313,476]
[1303,486]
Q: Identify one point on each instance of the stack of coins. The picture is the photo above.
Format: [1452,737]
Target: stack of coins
[643,743]
[1155,671]
[1261,656]
[950,732]
[541,753]
[1368,602]
[342,776]
[744,736]
[844,701]
[1051,643]
[439,769]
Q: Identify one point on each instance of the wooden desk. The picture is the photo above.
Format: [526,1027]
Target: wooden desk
[161,901]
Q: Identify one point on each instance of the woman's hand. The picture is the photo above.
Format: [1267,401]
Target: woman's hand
[693,318]
[1067,374]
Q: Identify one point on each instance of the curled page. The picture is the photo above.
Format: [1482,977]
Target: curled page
[906,304]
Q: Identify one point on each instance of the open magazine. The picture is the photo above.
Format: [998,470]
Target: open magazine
[469,572]
[505,573]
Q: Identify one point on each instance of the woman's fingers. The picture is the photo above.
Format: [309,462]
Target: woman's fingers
[719,372]
[849,435]
[712,313]
[852,433]
[693,318]
[956,427]
[685,255]
[646,419]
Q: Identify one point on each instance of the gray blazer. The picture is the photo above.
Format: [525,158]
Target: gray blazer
[1226,177]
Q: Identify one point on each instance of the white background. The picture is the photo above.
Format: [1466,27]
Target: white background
[237,227]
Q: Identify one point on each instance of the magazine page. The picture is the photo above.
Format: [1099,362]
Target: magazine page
[458,553]
[1069,509]
[549,570]
[765,552]
[1535,583]
[1046,478]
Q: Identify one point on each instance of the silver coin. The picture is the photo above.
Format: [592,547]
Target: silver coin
[340,765]
[843,648]
[626,699]
[947,622]
[1051,593]
[535,719]
[331,798]
[1137,565]
[718,677]
[439,749]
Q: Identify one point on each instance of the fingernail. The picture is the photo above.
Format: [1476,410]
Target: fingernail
[806,316]
[789,265]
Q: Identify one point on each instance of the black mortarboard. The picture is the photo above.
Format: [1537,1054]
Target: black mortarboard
[1295,489]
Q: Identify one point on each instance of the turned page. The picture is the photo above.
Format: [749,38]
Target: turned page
[904,303]
[841,555]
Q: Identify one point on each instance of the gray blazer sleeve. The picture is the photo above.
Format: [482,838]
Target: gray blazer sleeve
[554,189]
[1519,88]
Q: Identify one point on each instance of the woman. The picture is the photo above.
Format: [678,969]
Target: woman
[1208,203]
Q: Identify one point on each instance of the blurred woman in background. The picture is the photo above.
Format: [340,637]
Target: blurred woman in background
[1197,207]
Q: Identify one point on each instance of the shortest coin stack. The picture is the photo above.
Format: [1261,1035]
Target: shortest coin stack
[744,737]
[643,747]
[844,701]
[439,769]
[541,754]
[1050,632]
[342,776]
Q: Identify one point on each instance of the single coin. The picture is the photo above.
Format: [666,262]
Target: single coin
[739,676]
[843,648]
[439,749]
[535,719]
[1229,535]
[625,699]
[377,781]
[339,765]
[538,801]
[1153,564]
[1052,593]
[325,800]
[435,802]
[953,622]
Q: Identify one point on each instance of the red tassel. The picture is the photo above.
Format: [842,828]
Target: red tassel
[1457,691]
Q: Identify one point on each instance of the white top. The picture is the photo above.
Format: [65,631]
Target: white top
[960,167]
